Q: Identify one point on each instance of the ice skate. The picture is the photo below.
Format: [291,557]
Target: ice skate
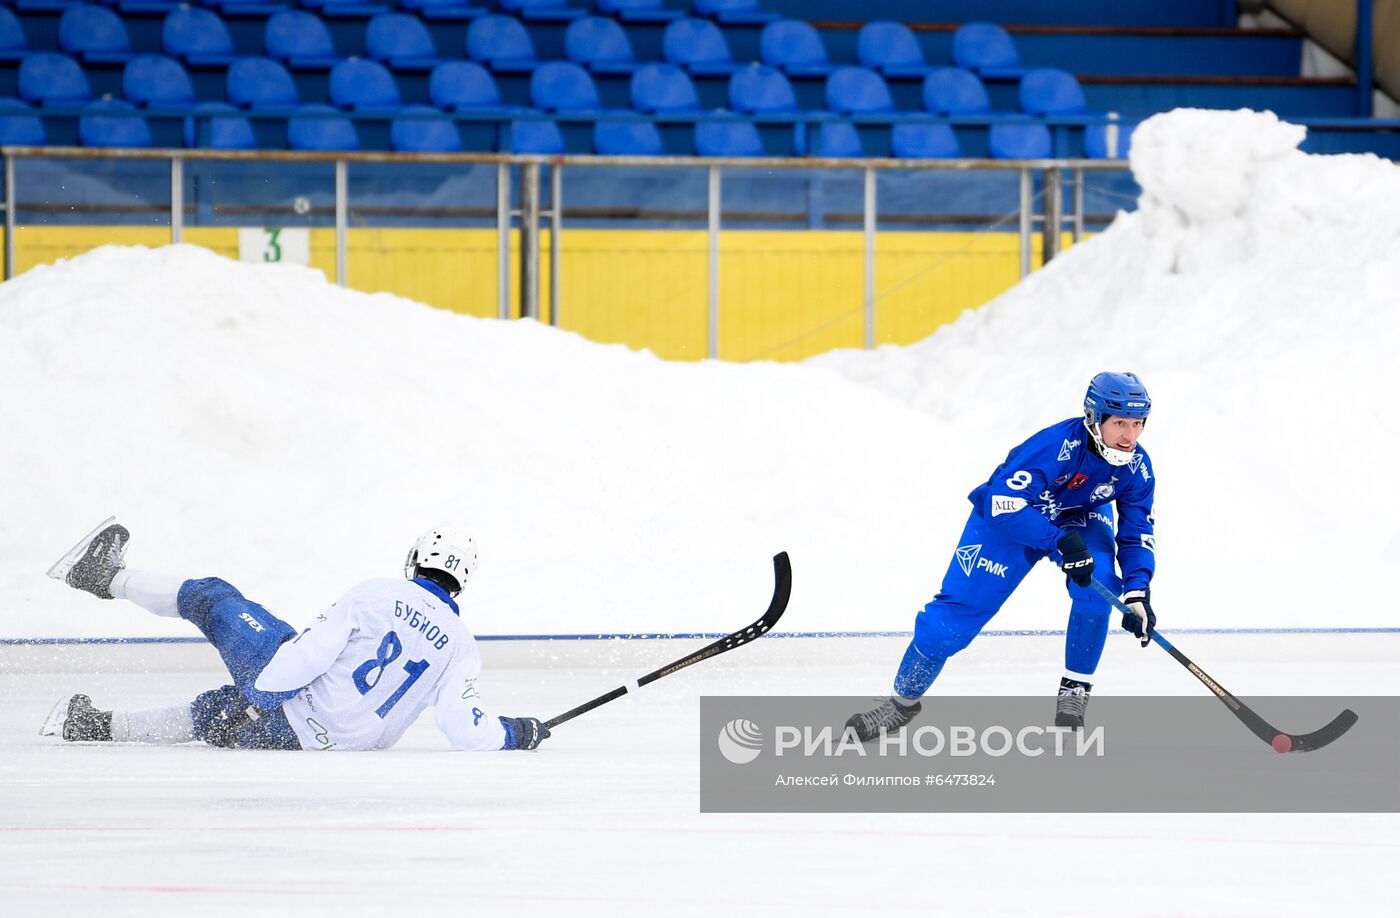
[77,721]
[1072,702]
[92,563]
[887,718]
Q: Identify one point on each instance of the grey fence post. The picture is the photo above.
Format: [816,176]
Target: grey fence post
[1078,205]
[1025,222]
[177,200]
[1053,207]
[342,209]
[530,240]
[556,225]
[9,217]
[503,240]
[713,208]
[869,259]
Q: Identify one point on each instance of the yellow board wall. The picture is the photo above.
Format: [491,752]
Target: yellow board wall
[784,295]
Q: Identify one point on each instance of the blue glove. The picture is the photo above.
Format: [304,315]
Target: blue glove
[524,732]
[1139,602]
[1077,563]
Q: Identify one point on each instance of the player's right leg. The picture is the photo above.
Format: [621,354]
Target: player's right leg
[984,571]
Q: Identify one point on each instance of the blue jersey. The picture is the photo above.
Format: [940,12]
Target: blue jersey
[1054,481]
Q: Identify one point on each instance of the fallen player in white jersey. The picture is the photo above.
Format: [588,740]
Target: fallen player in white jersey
[357,678]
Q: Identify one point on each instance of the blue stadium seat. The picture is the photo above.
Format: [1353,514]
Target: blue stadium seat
[559,86]
[259,9]
[502,44]
[760,88]
[347,9]
[300,40]
[109,123]
[13,42]
[1019,141]
[260,82]
[321,127]
[663,88]
[541,137]
[986,48]
[697,45]
[954,91]
[424,134]
[924,141]
[197,36]
[837,140]
[541,10]
[638,10]
[50,78]
[795,47]
[732,12]
[599,44]
[19,125]
[627,138]
[401,40]
[95,34]
[858,91]
[1109,141]
[463,86]
[727,138]
[891,48]
[363,84]
[1047,91]
[443,10]
[154,79]
[220,126]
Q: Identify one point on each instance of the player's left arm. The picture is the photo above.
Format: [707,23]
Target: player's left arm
[1137,539]
[310,654]
[1137,551]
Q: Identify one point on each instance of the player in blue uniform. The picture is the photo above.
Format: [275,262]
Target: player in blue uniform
[357,678]
[1054,496]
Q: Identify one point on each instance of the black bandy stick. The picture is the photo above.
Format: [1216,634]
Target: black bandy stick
[1282,742]
[782,589]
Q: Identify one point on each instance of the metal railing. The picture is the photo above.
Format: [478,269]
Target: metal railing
[1043,211]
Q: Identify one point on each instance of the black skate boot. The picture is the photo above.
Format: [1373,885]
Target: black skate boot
[887,718]
[1071,703]
[92,563]
[77,721]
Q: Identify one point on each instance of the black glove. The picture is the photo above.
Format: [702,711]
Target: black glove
[1138,601]
[1077,563]
[524,732]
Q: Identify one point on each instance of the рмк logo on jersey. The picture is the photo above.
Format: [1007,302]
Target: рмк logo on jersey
[969,559]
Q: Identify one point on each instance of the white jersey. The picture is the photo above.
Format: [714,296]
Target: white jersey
[370,664]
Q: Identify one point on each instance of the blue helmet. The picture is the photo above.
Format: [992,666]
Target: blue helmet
[1121,394]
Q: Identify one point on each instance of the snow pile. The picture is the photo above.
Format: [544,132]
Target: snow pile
[261,424]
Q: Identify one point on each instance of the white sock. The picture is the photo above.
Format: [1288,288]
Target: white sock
[161,726]
[153,592]
[1087,678]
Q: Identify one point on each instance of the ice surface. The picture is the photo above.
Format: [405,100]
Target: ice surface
[603,819]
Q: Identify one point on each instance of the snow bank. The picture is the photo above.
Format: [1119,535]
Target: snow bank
[259,423]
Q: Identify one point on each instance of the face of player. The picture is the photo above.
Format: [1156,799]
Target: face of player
[1121,433]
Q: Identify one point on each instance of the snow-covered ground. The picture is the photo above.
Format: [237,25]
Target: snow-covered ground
[258,423]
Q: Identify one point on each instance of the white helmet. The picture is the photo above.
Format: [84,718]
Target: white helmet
[443,550]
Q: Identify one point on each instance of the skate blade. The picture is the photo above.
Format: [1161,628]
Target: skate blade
[63,565]
[54,721]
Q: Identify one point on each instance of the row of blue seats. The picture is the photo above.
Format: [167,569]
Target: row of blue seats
[424,129]
[302,39]
[726,12]
[51,78]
